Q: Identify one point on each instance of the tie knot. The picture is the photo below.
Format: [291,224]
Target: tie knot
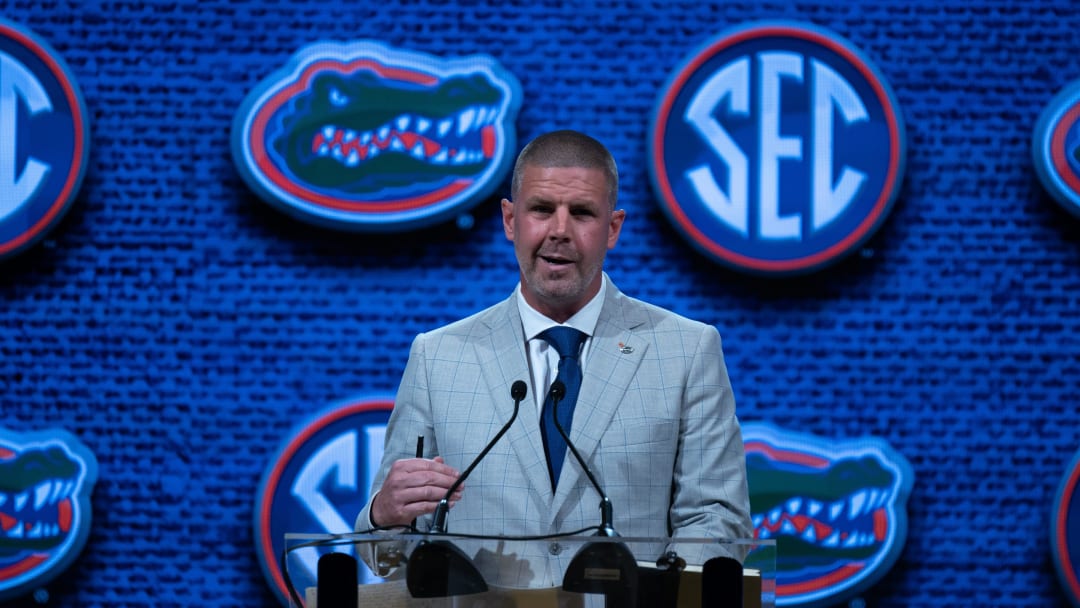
[566,340]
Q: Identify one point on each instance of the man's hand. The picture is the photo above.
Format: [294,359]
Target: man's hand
[413,487]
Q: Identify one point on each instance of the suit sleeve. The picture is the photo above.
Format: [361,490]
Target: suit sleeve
[709,493]
[410,418]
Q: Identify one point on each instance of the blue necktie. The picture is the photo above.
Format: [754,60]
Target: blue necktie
[567,342]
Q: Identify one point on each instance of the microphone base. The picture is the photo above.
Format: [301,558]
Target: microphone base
[439,569]
[608,568]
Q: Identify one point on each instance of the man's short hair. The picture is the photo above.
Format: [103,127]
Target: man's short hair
[567,148]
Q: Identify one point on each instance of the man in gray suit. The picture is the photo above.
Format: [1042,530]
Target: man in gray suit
[654,420]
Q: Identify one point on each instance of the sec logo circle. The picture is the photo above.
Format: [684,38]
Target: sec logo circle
[44,138]
[777,148]
[318,482]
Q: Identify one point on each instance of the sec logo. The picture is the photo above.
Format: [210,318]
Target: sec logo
[317,483]
[1055,148]
[776,148]
[1065,531]
[365,137]
[44,138]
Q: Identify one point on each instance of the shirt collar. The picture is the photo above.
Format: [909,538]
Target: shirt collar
[584,320]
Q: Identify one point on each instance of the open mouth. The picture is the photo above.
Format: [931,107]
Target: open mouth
[556,262]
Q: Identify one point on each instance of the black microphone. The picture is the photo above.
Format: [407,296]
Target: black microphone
[598,567]
[438,568]
[337,581]
[722,583]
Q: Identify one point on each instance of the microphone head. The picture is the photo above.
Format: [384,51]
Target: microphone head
[337,578]
[518,390]
[722,582]
[558,390]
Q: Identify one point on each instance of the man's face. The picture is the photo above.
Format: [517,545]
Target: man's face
[562,226]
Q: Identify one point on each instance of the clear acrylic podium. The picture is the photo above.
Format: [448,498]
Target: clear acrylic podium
[521,574]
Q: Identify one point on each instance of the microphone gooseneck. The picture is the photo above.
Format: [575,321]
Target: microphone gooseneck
[558,391]
[606,567]
[437,568]
[517,392]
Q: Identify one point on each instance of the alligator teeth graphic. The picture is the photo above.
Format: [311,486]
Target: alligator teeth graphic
[834,508]
[35,499]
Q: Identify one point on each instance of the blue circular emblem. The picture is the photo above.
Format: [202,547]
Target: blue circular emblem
[44,138]
[317,483]
[1065,531]
[776,148]
[1055,148]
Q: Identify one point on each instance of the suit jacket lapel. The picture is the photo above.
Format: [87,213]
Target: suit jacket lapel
[503,362]
[614,357]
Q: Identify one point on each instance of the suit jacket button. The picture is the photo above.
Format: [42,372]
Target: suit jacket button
[555,548]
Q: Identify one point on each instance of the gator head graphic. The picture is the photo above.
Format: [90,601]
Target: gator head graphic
[835,508]
[363,137]
[45,485]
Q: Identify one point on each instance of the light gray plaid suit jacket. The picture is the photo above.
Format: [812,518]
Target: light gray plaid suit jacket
[655,420]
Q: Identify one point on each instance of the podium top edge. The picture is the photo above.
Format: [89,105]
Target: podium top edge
[391,535]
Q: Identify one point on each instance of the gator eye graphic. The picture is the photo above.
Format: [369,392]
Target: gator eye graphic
[45,483]
[364,137]
[837,510]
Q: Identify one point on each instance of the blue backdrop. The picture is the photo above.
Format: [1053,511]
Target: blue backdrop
[180,327]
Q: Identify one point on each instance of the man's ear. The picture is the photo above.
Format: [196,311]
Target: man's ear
[508,218]
[615,227]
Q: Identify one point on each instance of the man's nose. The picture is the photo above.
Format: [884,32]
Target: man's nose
[560,222]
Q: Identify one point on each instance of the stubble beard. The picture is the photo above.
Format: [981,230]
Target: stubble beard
[563,287]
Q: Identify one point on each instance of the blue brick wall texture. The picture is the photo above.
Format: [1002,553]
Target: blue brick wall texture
[180,327]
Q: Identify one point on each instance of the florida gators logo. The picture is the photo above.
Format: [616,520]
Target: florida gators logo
[44,138]
[837,510]
[46,480]
[1065,531]
[360,136]
[776,148]
[1055,148]
[316,484]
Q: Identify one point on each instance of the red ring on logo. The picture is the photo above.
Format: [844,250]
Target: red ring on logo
[834,250]
[78,123]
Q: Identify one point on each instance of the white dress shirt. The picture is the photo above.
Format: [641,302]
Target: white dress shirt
[543,358]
